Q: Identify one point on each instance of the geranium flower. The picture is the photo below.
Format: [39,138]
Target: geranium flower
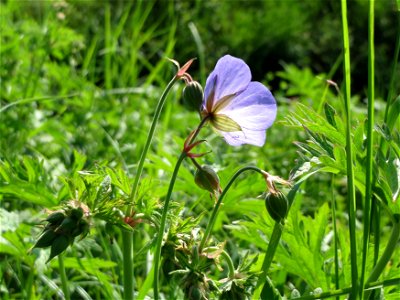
[239,109]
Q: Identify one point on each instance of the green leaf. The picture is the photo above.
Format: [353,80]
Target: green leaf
[330,113]
[307,117]
[394,113]
[120,179]
[269,291]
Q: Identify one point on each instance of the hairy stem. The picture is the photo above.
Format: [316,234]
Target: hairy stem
[214,214]
[127,237]
[63,276]
[150,135]
[157,254]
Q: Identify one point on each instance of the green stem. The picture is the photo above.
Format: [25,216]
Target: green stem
[336,240]
[108,46]
[231,268]
[214,214]
[386,255]
[63,275]
[226,256]
[370,140]
[157,255]
[127,237]
[29,285]
[150,135]
[127,254]
[272,246]
[393,77]
[349,155]
[275,238]
[369,286]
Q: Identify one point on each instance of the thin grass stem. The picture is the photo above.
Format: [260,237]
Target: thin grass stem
[370,141]
[393,78]
[108,46]
[336,240]
[386,255]
[349,154]
[200,50]
[369,286]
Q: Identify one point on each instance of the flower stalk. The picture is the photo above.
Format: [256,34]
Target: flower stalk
[63,276]
[127,237]
[214,213]
[157,255]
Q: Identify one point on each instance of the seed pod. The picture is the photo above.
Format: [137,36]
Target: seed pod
[66,226]
[82,228]
[192,95]
[56,218]
[195,293]
[207,179]
[85,228]
[277,205]
[76,213]
[59,245]
[45,239]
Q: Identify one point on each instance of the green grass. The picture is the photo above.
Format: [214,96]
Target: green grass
[80,83]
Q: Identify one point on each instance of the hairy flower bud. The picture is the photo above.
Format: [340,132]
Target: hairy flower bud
[277,205]
[207,179]
[192,95]
[67,226]
[76,213]
[59,245]
[56,218]
[45,239]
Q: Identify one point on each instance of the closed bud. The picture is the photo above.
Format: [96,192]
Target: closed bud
[277,205]
[76,213]
[67,226]
[59,245]
[81,229]
[207,179]
[46,239]
[192,95]
[195,293]
[56,218]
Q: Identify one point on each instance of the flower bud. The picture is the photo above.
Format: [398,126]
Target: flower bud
[277,205]
[192,95]
[76,213]
[66,226]
[82,228]
[56,218]
[59,245]
[45,239]
[207,179]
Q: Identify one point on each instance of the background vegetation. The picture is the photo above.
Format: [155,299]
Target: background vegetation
[79,84]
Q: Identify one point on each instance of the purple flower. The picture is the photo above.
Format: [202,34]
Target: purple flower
[239,109]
